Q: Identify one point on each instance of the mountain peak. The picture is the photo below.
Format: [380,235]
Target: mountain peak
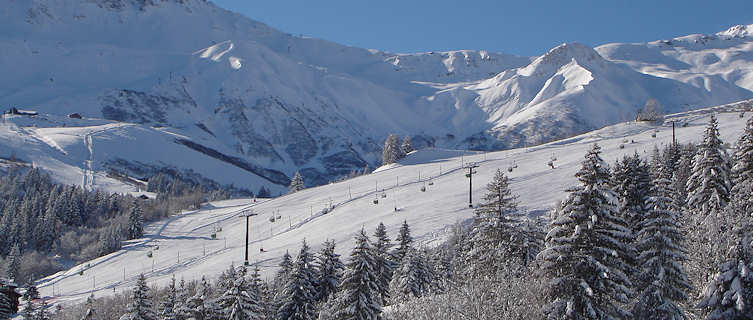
[140,4]
[566,52]
[738,31]
[562,55]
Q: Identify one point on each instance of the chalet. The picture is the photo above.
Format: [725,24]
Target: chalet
[14,110]
[74,116]
[8,288]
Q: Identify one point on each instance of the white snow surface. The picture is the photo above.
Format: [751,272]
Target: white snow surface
[293,103]
[182,245]
[82,152]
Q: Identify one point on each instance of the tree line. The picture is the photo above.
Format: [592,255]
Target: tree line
[46,227]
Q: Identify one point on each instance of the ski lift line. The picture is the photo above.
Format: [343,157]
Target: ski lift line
[198,259]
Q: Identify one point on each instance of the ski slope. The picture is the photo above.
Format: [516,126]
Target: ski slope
[183,246]
[84,151]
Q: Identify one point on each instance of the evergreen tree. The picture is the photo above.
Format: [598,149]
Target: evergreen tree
[13,262]
[708,194]
[729,294]
[632,182]
[683,172]
[412,278]
[406,146]
[391,152]
[226,280]
[497,235]
[586,250]
[328,271]
[296,184]
[141,306]
[135,223]
[91,312]
[286,267]
[708,186]
[742,172]
[42,313]
[169,302]
[358,296]
[30,295]
[5,307]
[298,295]
[240,303]
[182,306]
[404,242]
[201,305]
[383,261]
[660,243]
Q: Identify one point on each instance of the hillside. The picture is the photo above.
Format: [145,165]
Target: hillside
[182,245]
[269,103]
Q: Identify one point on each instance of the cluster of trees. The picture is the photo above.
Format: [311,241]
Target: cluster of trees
[662,238]
[393,150]
[45,226]
[309,286]
[296,184]
[41,218]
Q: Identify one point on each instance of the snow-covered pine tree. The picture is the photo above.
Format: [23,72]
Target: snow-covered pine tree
[169,302]
[391,152]
[13,262]
[663,283]
[586,247]
[328,271]
[406,146]
[240,303]
[671,156]
[496,237]
[298,300]
[201,305]
[742,172]
[709,185]
[91,311]
[264,292]
[226,280]
[404,242]
[182,306]
[135,222]
[683,172]
[5,307]
[358,296]
[708,194]
[296,184]
[729,293]
[383,261]
[632,182]
[407,281]
[141,306]
[282,275]
[29,296]
[42,313]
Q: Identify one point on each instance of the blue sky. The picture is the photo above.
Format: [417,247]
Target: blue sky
[517,27]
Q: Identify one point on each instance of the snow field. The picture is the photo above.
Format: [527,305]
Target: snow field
[183,246]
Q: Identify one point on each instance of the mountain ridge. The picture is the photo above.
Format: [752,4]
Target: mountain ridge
[288,104]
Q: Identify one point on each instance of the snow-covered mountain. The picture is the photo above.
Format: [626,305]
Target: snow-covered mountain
[428,188]
[266,103]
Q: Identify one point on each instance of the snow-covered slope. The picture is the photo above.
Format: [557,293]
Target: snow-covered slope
[182,245]
[287,103]
[98,154]
[708,62]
